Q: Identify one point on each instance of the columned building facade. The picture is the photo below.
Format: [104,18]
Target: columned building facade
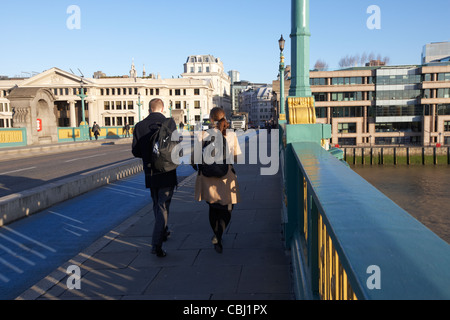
[211,69]
[110,101]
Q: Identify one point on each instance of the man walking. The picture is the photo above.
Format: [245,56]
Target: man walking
[161,185]
[96,130]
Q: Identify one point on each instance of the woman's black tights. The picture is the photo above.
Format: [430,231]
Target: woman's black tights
[219,218]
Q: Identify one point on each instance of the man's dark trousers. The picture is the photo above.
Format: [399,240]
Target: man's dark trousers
[161,202]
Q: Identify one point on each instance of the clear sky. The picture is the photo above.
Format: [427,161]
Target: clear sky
[243,33]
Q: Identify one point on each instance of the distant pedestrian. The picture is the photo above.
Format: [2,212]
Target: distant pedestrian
[161,185]
[221,193]
[127,130]
[181,126]
[96,130]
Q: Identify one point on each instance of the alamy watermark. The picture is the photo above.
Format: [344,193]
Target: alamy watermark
[374,20]
[73,22]
[374,280]
[258,148]
[74,280]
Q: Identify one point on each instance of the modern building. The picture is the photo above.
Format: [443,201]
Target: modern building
[383,105]
[435,51]
[52,96]
[207,67]
[257,101]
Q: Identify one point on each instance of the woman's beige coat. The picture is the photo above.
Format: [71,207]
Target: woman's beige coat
[224,191]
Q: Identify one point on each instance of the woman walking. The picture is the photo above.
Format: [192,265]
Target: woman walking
[222,193]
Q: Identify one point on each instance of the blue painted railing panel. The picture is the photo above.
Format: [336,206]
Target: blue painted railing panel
[367,228]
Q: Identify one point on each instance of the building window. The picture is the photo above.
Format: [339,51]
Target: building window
[321,112]
[199,69]
[321,96]
[197,118]
[347,141]
[346,112]
[447,126]
[443,109]
[177,92]
[177,104]
[107,122]
[347,127]
[197,104]
[107,105]
[346,96]
[157,92]
[399,127]
[207,69]
[443,93]
[196,92]
[318,81]
[443,77]
[130,105]
[118,105]
[131,121]
[192,70]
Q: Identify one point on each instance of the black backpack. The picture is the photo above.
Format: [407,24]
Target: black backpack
[162,147]
[214,169]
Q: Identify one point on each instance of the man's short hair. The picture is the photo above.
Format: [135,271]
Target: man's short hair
[156,105]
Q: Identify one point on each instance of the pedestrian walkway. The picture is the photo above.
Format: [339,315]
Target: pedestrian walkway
[253,265]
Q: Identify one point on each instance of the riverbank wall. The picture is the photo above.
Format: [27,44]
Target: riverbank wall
[397,155]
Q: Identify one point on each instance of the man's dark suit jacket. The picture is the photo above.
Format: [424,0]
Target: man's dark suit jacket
[142,148]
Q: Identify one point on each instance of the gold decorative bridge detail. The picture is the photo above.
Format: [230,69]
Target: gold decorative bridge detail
[301,110]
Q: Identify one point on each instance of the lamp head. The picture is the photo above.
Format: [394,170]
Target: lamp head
[281,43]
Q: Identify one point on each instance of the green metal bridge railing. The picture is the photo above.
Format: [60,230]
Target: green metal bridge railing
[348,240]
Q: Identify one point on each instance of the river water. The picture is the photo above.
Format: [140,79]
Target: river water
[423,191]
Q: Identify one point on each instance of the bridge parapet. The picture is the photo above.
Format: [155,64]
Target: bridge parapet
[349,241]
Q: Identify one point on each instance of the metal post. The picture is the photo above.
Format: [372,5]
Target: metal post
[139,106]
[282,116]
[83,125]
[300,36]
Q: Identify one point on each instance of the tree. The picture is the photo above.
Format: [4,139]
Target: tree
[321,65]
[361,60]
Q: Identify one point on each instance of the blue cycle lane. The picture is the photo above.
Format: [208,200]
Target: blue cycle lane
[33,247]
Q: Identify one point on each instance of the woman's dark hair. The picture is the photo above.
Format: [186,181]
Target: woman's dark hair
[218,115]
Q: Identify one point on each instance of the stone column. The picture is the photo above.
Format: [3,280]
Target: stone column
[73,117]
[91,115]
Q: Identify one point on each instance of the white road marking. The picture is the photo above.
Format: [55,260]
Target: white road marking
[133,195]
[71,225]
[19,170]
[66,217]
[83,158]
[22,246]
[131,188]
[3,278]
[77,234]
[11,266]
[29,239]
[15,255]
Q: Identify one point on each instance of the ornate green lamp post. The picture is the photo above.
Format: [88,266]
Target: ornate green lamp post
[282,114]
[84,127]
[139,104]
